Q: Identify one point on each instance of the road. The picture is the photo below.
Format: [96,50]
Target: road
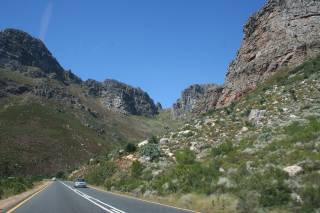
[63,198]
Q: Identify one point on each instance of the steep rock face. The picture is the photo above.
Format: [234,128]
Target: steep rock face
[19,49]
[283,32]
[122,98]
[197,99]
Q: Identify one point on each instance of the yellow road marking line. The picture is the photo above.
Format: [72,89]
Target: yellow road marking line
[135,198]
[28,198]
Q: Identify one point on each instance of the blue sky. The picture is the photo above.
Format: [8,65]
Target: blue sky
[162,46]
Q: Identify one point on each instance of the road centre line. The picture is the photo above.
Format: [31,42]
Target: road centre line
[95,201]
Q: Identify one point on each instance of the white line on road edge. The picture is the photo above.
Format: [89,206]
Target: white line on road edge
[95,201]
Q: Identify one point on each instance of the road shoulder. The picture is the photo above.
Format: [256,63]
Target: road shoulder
[15,200]
[163,203]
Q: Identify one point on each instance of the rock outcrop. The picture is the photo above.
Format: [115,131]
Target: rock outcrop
[197,99]
[122,98]
[9,87]
[18,50]
[283,32]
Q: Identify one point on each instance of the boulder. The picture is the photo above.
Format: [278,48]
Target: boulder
[293,170]
[145,142]
[164,141]
[256,115]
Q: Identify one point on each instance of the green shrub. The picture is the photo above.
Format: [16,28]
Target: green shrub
[136,169]
[15,185]
[271,186]
[223,148]
[303,132]
[127,183]
[150,150]
[60,175]
[274,194]
[1,192]
[153,139]
[248,202]
[98,174]
[311,197]
[130,148]
[182,178]
[185,156]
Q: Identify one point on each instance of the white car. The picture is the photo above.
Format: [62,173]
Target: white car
[80,183]
[54,179]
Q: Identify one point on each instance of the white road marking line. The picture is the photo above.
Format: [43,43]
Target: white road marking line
[95,201]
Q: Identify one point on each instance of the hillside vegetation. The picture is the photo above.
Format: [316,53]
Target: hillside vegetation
[56,127]
[260,154]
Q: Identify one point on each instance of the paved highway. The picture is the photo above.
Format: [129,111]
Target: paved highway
[61,197]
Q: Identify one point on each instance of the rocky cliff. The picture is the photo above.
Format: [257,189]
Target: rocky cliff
[122,98]
[282,33]
[18,50]
[196,99]
[21,52]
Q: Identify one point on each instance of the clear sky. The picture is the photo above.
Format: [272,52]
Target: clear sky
[162,46]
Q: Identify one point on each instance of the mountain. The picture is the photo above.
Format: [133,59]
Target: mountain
[20,51]
[282,33]
[122,98]
[259,154]
[251,145]
[196,99]
[51,120]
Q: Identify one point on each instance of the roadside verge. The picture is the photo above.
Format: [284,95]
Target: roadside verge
[10,204]
[140,199]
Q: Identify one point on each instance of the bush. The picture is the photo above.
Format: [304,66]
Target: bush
[125,182]
[150,150]
[130,148]
[185,156]
[223,148]
[15,185]
[311,197]
[270,185]
[60,175]
[194,177]
[98,174]
[276,194]
[153,139]
[136,169]
[303,132]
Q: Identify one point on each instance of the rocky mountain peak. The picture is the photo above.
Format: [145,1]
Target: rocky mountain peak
[122,98]
[282,33]
[19,50]
[197,98]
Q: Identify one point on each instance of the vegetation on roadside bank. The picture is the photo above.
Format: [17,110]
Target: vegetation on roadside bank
[10,186]
[247,147]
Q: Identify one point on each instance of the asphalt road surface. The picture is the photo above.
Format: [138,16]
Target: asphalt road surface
[61,197]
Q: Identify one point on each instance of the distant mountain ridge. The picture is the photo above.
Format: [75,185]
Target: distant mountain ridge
[20,51]
[122,98]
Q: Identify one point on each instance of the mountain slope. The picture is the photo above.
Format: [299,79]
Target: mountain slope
[47,126]
[260,154]
[51,120]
